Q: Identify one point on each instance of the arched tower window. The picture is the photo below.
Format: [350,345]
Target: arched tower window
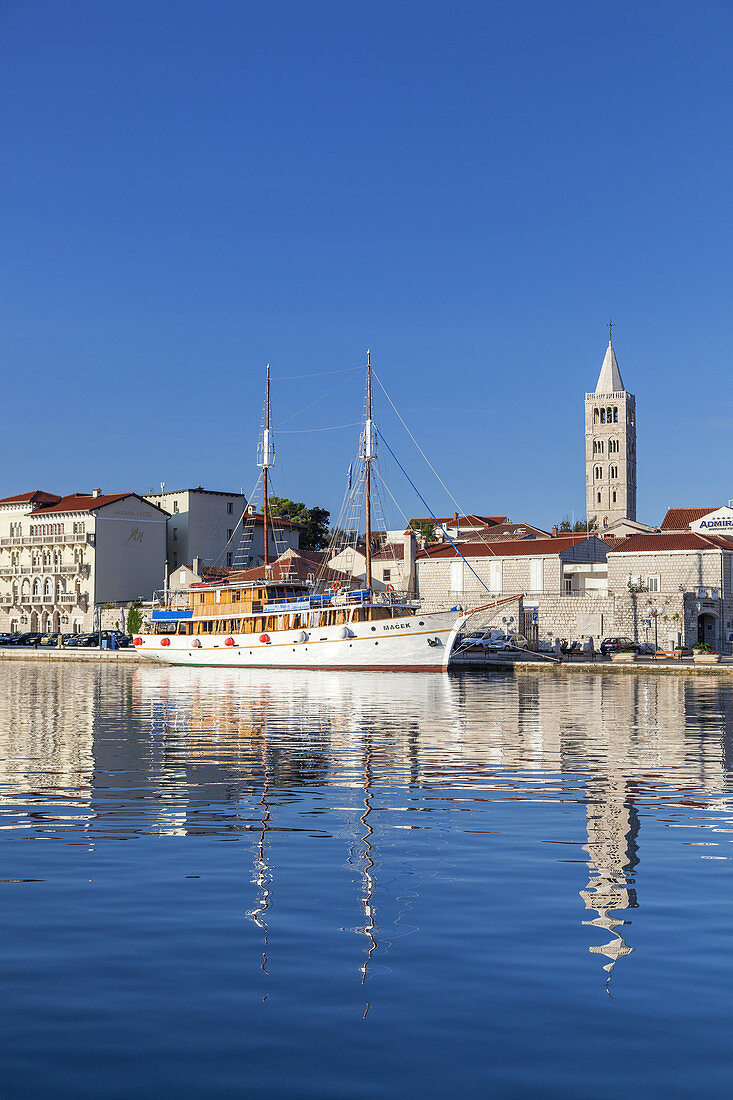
[615,416]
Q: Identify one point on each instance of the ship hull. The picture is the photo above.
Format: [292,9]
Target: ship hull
[419,643]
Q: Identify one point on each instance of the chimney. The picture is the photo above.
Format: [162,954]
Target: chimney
[554,531]
[455,517]
[96,492]
[196,566]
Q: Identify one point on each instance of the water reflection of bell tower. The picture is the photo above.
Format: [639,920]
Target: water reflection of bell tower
[612,827]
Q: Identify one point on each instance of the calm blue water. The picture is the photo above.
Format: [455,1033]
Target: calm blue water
[341,885]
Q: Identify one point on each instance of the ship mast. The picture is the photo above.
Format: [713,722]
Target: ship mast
[368,456]
[266,459]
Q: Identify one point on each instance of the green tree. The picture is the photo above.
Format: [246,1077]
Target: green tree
[134,618]
[424,529]
[314,521]
[580,525]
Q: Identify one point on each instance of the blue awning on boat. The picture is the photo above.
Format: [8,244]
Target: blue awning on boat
[170,616]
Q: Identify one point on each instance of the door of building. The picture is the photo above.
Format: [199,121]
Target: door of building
[706,629]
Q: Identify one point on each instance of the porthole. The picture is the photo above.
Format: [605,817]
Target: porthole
[374,628]
[376,643]
[421,624]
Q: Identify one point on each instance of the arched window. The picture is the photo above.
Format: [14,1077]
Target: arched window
[614,471]
[26,590]
[613,496]
[15,593]
[36,589]
[48,589]
[595,416]
[598,472]
[599,498]
[609,414]
[603,416]
[615,416]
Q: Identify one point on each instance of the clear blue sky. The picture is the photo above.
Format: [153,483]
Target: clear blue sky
[469,189]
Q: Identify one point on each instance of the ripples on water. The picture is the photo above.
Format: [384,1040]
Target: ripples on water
[326,884]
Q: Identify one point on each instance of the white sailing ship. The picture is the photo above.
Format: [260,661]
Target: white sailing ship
[275,622]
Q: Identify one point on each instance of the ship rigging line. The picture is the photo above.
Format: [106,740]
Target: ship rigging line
[432,513]
[333,428]
[422,452]
[323,395]
[316,374]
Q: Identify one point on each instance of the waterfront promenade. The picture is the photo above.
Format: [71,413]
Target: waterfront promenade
[478,662]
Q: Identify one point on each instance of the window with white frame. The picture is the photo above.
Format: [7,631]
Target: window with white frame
[495,576]
[536,575]
[456,577]
[652,582]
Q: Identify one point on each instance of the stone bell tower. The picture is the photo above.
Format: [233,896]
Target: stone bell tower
[610,446]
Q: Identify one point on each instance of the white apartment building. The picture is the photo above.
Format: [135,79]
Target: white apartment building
[61,558]
[204,523]
[220,529]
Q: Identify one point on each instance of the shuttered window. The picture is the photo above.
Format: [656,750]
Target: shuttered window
[456,577]
[536,575]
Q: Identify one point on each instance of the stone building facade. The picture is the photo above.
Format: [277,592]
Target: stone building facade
[535,567]
[684,580]
[610,447]
[62,558]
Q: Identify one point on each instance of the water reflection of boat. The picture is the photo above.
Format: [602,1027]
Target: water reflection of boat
[197,752]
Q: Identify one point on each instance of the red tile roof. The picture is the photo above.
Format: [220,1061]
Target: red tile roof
[462,521]
[671,540]
[504,531]
[35,496]
[84,502]
[679,519]
[274,521]
[507,548]
[289,569]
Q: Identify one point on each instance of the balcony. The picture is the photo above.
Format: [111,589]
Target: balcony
[47,540]
[81,569]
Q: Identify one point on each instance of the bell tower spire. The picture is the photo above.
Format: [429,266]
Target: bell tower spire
[610,445]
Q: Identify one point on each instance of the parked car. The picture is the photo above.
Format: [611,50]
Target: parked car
[6,639]
[70,639]
[27,639]
[49,640]
[516,641]
[619,645]
[483,639]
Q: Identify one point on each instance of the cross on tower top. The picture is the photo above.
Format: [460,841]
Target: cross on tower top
[610,330]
